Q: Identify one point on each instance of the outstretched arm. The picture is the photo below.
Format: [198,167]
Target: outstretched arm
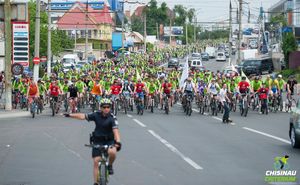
[79,116]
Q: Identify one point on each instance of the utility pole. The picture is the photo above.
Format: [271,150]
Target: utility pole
[122,32]
[230,34]
[8,90]
[157,33]
[75,38]
[37,40]
[195,29]
[86,31]
[186,33]
[240,31]
[49,40]
[145,33]
[170,33]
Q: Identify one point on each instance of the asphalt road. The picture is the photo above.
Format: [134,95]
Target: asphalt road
[158,149]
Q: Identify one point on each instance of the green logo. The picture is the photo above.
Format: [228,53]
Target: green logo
[281,172]
[281,163]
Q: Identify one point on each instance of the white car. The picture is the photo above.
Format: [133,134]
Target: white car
[196,64]
[221,56]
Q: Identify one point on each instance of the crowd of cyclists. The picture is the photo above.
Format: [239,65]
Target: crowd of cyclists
[139,81]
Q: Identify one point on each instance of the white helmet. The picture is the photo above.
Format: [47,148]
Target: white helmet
[279,76]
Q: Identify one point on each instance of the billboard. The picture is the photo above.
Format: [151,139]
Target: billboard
[20,43]
[175,31]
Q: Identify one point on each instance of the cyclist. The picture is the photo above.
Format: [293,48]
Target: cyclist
[106,133]
[244,88]
[80,87]
[139,90]
[73,95]
[115,91]
[263,97]
[166,89]
[212,89]
[291,84]
[54,92]
[188,89]
[152,90]
[255,85]
[32,91]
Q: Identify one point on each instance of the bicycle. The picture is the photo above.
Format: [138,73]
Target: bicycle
[166,103]
[255,102]
[140,106]
[33,107]
[54,106]
[151,103]
[244,105]
[214,106]
[189,100]
[290,101]
[115,105]
[103,175]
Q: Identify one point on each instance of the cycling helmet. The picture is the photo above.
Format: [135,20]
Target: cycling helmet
[257,78]
[279,76]
[105,101]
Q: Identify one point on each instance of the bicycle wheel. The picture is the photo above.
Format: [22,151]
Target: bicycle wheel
[32,110]
[102,174]
[246,110]
[53,108]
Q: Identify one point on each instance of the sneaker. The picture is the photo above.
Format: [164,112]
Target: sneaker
[110,170]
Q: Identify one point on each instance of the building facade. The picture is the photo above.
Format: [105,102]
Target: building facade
[98,23]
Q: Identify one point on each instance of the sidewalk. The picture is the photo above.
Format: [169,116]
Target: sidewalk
[15,113]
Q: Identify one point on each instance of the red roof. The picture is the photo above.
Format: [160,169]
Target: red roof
[76,17]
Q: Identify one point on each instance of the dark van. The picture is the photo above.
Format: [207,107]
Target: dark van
[257,66]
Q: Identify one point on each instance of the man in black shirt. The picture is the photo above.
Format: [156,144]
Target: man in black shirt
[73,94]
[106,133]
[291,84]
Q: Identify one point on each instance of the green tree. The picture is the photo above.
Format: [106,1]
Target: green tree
[289,45]
[59,40]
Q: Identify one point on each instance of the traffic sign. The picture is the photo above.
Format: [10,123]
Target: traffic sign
[36,60]
[43,59]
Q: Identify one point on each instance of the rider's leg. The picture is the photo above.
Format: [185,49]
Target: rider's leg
[112,155]
[96,161]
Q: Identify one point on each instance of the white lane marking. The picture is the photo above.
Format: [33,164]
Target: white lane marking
[217,118]
[63,145]
[130,116]
[140,123]
[267,135]
[176,151]
[195,110]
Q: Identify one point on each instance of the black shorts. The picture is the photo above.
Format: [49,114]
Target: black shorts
[96,152]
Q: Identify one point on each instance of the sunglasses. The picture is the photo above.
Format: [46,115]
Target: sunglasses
[106,107]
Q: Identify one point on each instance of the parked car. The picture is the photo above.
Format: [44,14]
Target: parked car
[294,131]
[205,56]
[173,62]
[257,66]
[221,56]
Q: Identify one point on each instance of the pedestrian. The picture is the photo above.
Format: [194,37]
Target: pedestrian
[223,97]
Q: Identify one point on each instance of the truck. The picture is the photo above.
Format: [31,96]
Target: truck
[211,52]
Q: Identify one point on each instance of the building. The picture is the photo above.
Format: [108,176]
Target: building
[98,23]
[291,10]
